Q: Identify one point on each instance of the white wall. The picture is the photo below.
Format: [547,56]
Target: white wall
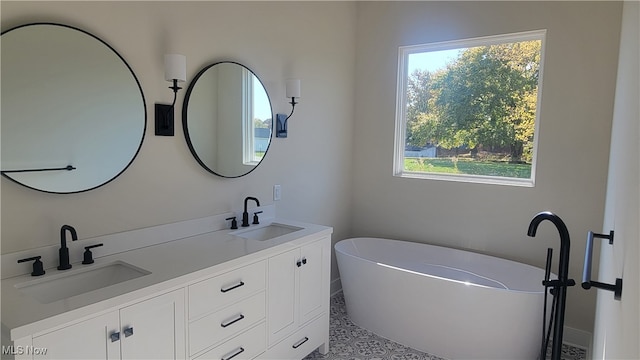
[277,40]
[617,324]
[577,102]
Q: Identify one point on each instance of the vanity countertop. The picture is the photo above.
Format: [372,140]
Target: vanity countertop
[173,265]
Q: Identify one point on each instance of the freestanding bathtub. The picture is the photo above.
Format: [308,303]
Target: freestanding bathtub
[450,303]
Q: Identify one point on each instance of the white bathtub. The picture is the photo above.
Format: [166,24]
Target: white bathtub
[446,302]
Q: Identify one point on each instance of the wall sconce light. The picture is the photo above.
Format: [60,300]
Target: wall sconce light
[293,92]
[175,70]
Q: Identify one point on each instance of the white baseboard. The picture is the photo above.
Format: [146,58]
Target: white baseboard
[579,338]
[336,286]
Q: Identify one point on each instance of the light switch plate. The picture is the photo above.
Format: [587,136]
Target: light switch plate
[277,192]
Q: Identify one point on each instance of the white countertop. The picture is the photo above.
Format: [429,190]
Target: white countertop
[173,264]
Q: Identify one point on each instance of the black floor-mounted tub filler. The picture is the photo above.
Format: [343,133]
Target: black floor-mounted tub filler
[558,287]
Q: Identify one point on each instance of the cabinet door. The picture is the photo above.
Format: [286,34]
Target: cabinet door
[283,275]
[314,296]
[89,339]
[155,328]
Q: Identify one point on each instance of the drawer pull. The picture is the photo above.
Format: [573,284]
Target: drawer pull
[232,321]
[299,343]
[236,353]
[233,287]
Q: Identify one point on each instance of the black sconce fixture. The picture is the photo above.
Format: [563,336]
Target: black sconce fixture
[293,92]
[175,70]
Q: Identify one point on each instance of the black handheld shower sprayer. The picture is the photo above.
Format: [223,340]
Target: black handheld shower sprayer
[559,286]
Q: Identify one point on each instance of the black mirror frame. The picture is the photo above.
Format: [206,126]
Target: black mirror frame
[144,105]
[185,126]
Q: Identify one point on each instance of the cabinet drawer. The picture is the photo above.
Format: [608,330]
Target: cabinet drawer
[302,342]
[247,345]
[222,290]
[225,323]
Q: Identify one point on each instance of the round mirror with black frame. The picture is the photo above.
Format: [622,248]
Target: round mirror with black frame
[73,111]
[227,119]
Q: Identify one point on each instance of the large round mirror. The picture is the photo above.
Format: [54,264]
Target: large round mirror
[227,119]
[73,111]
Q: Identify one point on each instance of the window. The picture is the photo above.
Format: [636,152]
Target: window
[467,110]
[256,115]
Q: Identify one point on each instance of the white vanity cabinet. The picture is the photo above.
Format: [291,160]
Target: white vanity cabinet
[151,329]
[298,301]
[227,297]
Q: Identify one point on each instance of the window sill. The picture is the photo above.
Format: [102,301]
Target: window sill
[475,179]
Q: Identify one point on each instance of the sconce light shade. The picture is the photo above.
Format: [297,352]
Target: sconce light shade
[292,91]
[175,67]
[293,88]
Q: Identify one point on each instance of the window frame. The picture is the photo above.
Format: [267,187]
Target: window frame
[248,127]
[401,108]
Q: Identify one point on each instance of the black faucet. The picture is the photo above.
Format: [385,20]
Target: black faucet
[64,251]
[560,285]
[245,214]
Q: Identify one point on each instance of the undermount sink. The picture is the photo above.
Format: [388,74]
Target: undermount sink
[270,231]
[79,281]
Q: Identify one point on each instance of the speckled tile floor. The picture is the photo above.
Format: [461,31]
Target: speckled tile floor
[350,342]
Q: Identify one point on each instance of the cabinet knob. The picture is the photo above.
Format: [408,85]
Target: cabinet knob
[114,336]
[299,263]
[128,332]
